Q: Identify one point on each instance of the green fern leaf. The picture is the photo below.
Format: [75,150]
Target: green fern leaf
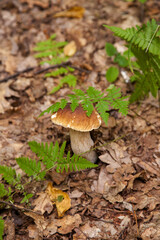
[1,228]
[57,72]
[74,163]
[102,108]
[9,175]
[29,166]
[47,153]
[3,191]
[71,80]
[87,106]
[141,37]
[55,107]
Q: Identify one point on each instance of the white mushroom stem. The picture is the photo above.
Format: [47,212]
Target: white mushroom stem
[81,142]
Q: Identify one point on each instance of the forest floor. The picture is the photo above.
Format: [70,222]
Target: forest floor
[120,199]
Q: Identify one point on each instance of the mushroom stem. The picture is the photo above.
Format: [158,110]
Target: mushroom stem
[81,142]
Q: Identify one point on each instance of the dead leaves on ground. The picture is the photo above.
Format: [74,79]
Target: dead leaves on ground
[45,203]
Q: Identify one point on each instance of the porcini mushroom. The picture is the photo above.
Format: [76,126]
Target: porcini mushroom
[80,126]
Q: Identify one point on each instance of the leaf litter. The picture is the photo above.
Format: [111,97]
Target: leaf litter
[122,194]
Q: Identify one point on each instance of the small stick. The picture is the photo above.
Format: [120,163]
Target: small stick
[43,70]
[19,207]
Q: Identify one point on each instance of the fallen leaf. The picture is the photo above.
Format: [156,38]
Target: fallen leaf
[4,104]
[151,230]
[39,220]
[70,49]
[43,204]
[148,167]
[76,194]
[131,181]
[68,223]
[59,198]
[73,12]
[41,3]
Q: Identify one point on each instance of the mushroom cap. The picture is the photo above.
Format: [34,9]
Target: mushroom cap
[76,120]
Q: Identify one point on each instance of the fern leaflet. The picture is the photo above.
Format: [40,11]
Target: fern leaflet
[9,175]
[140,37]
[1,228]
[29,166]
[51,52]
[54,156]
[3,191]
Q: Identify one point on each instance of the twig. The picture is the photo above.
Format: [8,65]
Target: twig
[16,74]
[43,70]
[135,216]
[19,207]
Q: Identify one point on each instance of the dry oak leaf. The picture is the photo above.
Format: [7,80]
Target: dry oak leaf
[43,204]
[70,49]
[59,198]
[39,220]
[68,223]
[73,12]
[41,3]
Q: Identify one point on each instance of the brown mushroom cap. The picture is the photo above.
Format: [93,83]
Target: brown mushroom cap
[76,120]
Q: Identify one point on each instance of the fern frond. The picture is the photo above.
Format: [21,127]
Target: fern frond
[57,72]
[140,37]
[70,79]
[29,166]
[3,191]
[55,107]
[9,175]
[103,109]
[54,156]
[48,153]
[92,96]
[1,228]
[74,163]
[148,79]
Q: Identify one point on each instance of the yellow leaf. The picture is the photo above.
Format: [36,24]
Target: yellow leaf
[59,198]
[70,49]
[73,12]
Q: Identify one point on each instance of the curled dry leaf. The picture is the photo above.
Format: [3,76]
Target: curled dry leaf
[73,12]
[68,223]
[70,49]
[59,198]
[43,204]
[4,104]
[41,3]
[151,230]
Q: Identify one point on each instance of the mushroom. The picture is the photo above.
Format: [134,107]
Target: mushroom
[80,126]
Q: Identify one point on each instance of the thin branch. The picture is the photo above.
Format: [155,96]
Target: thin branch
[19,207]
[43,70]
[16,75]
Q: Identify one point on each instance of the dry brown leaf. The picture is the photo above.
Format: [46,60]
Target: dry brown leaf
[39,220]
[68,223]
[70,49]
[43,204]
[131,181]
[73,12]
[41,3]
[151,229]
[115,156]
[148,167]
[10,64]
[59,198]
[33,231]
[4,104]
